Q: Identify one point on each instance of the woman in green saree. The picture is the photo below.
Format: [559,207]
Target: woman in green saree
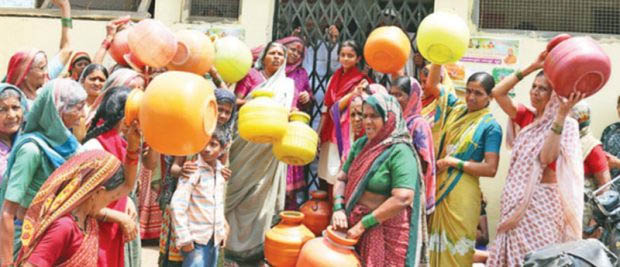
[379,191]
[468,149]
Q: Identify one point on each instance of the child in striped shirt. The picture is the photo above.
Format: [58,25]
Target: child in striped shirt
[198,207]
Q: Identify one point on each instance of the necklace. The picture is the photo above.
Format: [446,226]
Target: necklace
[77,221]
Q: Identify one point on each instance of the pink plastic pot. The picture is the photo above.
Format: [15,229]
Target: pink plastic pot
[152,43]
[577,64]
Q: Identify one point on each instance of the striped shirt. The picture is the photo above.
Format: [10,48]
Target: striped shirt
[198,206]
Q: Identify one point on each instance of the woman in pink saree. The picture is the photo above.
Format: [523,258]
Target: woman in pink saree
[542,201]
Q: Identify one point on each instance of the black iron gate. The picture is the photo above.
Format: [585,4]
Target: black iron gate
[354,19]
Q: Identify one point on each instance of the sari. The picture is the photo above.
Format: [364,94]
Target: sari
[398,240]
[534,214]
[422,141]
[335,141]
[68,187]
[467,136]
[435,111]
[295,179]
[5,150]
[255,193]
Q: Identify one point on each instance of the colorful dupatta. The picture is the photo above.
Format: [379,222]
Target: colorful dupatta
[422,138]
[67,187]
[454,222]
[19,65]
[523,228]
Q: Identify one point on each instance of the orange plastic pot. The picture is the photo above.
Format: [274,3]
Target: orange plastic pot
[262,120]
[284,241]
[317,212]
[177,113]
[132,105]
[333,249]
[152,43]
[195,52]
[387,49]
[120,47]
[298,145]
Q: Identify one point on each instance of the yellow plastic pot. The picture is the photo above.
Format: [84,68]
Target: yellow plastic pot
[298,146]
[262,120]
[443,37]
[233,59]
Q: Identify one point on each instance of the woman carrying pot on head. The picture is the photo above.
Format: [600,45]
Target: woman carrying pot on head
[468,148]
[29,69]
[542,201]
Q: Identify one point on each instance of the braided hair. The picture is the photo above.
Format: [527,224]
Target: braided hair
[111,111]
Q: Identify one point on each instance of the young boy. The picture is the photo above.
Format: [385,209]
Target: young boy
[198,207]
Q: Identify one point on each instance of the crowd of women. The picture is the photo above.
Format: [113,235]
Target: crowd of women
[402,164]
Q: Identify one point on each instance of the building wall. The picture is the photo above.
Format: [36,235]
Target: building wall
[19,32]
[603,104]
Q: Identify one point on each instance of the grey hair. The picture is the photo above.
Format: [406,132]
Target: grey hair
[8,93]
[71,94]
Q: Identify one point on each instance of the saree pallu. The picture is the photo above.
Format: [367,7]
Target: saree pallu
[149,212]
[540,226]
[169,254]
[436,113]
[454,222]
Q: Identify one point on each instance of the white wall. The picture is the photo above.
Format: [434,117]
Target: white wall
[19,32]
[603,104]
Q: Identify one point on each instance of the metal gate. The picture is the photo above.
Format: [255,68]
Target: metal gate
[355,19]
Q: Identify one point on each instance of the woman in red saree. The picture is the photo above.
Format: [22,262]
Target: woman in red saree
[542,201]
[117,221]
[62,214]
[335,120]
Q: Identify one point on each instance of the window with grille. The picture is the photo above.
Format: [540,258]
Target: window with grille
[215,8]
[97,9]
[585,16]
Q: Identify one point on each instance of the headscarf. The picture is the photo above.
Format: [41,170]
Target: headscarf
[526,172]
[22,98]
[581,113]
[227,96]
[120,77]
[74,59]
[258,64]
[19,66]
[422,136]
[344,134]
[289,40]
[68,187]
[394,131]
[44,125]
